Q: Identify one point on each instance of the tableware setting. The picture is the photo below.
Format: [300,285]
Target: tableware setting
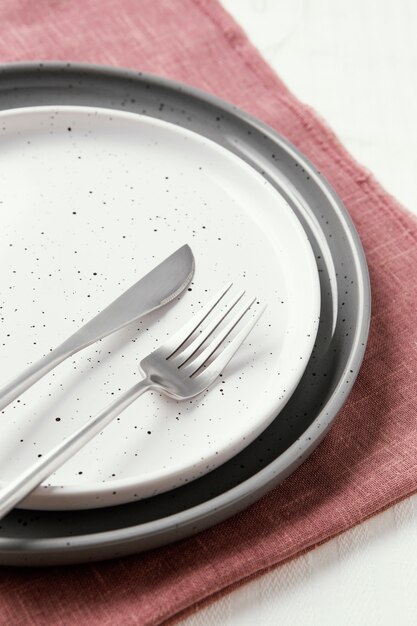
[182,368]
[105,173]
[108,187]
[143,185]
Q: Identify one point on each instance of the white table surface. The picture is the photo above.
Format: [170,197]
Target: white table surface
[325,50]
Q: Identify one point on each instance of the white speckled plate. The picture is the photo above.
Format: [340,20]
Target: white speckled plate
[91,199]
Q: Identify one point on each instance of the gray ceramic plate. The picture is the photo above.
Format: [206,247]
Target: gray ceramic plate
[34,538]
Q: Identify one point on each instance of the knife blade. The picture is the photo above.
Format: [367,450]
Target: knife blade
[161,285]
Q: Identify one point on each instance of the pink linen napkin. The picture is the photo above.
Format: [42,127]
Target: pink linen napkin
[369,459]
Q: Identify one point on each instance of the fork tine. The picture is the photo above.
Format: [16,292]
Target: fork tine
[190,350]
[202,358]
[176,341]
[220,362]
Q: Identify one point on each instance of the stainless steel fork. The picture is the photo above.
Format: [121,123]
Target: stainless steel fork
[182,368]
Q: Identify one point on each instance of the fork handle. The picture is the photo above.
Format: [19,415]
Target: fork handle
[21,486]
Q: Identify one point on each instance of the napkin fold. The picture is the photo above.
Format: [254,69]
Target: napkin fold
[368,461]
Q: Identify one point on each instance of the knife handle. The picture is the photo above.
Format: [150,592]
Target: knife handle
[15,387]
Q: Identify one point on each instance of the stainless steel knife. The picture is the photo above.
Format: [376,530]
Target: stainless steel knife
[160,286]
